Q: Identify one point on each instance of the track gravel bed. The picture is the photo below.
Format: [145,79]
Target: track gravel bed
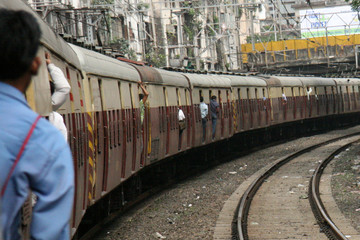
[345,185]
[280,208]
[189,210]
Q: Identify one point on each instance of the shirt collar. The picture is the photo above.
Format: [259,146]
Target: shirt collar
[12,92]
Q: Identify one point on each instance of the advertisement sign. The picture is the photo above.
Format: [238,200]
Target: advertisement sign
[334,21]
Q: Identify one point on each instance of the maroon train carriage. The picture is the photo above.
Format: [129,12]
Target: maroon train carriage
[317,96]
[207,86]
[348,94]
[251,103]
[114,128]
[168,92]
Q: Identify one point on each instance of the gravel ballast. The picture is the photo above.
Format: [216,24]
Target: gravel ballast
[189,209]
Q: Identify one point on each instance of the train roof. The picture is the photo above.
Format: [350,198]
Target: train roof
[347,81]
[282,81]
[317,81]
[173,78]
[206,81]
[49,39]
[237,81]
[148,74]
[101,65]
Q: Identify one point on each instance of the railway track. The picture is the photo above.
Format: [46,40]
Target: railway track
[277,203]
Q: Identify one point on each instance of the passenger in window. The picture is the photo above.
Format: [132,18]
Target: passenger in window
[204,113]
[214,110]
[284,99]
[60,89]
[143,97]
[182,124]
[308,91]
[29,145]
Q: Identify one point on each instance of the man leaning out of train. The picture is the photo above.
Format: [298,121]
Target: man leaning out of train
[34,155]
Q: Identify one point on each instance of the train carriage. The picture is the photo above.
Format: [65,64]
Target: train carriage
[251,102]
[289,98]
[167,94]
[318,96]
[207,86]
[112,106]
[348,94]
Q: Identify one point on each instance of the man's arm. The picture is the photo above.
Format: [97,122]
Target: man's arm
[62,87]
[146,93]
[55,191]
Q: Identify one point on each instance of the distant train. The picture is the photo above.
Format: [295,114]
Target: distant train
[108,141]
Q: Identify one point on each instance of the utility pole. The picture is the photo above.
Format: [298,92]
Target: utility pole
[279,19]
[252,29]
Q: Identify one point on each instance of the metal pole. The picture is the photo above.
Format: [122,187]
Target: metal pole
[327,47]
[252,30]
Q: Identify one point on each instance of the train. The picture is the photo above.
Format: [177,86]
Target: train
[110,144]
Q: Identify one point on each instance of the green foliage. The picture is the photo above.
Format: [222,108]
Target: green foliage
[122,46]
[191,24]
[143,6]
[355,4]
[261,38]
[155,58]
[100,2]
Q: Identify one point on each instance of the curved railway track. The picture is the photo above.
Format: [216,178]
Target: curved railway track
[274,206]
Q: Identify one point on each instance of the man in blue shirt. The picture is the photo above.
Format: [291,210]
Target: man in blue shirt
[45,165]
[214,110]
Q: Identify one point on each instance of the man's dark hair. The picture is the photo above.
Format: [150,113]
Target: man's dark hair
[19,41]
[213,97]
[141,96]
[201,99]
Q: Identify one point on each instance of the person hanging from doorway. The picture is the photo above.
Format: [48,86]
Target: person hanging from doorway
[143,97]
[182,123]
[308,91]
[60,89]
[214,110]
[284,99]
[204,113]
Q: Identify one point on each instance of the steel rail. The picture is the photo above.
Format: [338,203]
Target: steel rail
[324,220]
[244,205]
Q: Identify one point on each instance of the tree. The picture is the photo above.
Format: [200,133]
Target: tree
[355,4]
